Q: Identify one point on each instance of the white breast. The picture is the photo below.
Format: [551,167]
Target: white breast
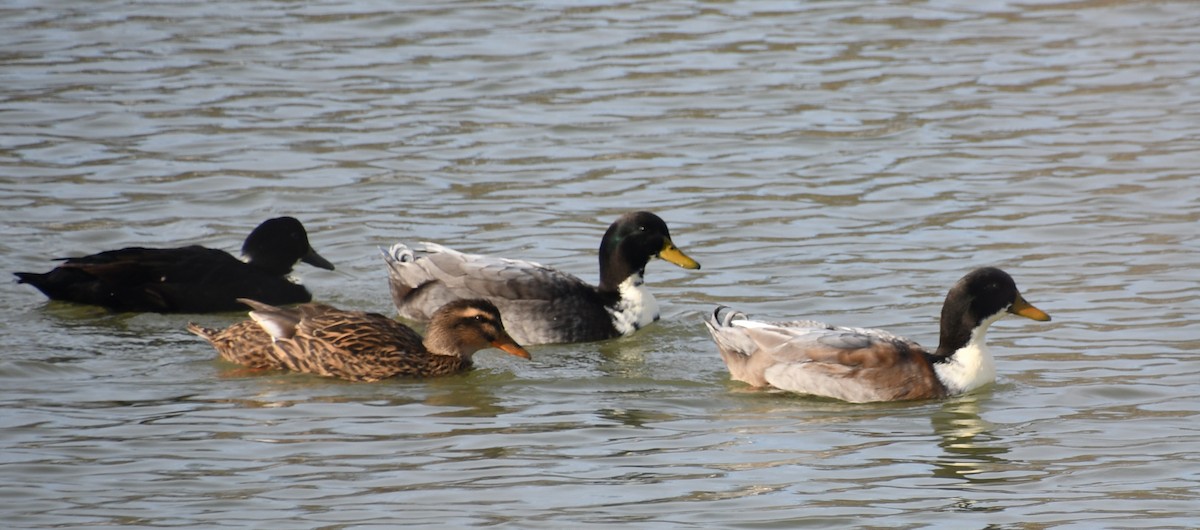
[637,307]
[972,365]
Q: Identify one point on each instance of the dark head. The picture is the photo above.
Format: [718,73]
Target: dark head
[277,244]
[463,327]
[980,297]
[629,244]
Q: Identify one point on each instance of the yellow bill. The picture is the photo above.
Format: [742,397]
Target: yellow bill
[672,254]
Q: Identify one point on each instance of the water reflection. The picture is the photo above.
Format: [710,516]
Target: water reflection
[636,418]
[469,395]
[822,159]
[967,441]
[625,357]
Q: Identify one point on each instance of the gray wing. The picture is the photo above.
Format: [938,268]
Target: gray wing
[538,304]
[813,357]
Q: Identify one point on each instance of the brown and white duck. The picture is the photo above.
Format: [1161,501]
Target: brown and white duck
[866,365]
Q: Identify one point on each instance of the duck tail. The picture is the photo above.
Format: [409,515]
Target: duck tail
[278,322]
[398,253]
[207,334]
[405,277]
[731,340]
[723,315]
[41,281]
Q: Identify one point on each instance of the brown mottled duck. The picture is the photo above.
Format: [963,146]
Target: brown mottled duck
[360,346]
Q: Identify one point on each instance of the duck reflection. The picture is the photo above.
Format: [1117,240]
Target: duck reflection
[970,448]
[470,395]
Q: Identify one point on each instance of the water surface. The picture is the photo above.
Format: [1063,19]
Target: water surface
[844,161]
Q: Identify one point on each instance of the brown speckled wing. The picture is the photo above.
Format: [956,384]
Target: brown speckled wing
[352,345]
[243,343]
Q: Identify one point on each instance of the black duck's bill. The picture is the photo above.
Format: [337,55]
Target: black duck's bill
[314,259]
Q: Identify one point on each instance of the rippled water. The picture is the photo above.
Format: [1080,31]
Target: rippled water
[840,160]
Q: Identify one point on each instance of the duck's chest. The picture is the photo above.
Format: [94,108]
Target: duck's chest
[636,307]
[971,367]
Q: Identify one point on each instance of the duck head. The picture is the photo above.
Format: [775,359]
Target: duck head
[981,297]
[463,327]
[277,244]
[629,244]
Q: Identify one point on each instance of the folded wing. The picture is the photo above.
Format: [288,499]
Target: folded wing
[809,357]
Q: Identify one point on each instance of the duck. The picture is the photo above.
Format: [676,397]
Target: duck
[542,305]
[191,279]
[870,365]
[361,346]
[245,342]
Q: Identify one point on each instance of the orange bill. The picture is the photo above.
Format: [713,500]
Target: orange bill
[672,254]
[1025,309]
[510,346]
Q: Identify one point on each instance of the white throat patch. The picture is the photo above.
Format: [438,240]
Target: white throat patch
[636,309]
[970,366]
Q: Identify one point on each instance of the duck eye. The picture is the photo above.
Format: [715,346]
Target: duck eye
[479,318]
